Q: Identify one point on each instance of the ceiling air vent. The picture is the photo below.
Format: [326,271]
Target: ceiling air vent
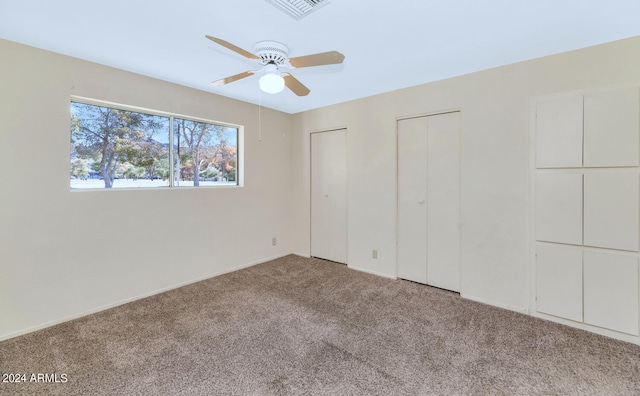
[298,9]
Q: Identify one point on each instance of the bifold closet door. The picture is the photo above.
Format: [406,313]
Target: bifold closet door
[412,199]
[443,202]
[329,195]
[428,200]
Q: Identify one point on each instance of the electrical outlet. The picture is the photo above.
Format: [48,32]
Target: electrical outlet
[274,241]
[374,254]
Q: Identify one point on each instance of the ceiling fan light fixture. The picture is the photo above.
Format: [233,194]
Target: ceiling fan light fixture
[272,82]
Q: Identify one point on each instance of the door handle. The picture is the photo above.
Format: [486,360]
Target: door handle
[421,202]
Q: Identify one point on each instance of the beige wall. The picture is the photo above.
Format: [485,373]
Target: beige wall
[65,253]
[495,163]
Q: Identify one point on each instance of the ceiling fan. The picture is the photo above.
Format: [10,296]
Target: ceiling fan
[274,56]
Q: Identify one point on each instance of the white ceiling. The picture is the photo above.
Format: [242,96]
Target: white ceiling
[388,44]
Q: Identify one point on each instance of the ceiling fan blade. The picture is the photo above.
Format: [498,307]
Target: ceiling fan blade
[296,86]
[324,58]
[233,78]
[232,47]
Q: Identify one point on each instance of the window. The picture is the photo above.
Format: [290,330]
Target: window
[116,148]
[208,153]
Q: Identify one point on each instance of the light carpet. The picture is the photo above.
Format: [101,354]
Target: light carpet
[299,326]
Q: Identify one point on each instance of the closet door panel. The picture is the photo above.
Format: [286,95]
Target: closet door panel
[329,195]
[559,132]
[611,291]
[443,202]
[611,210]
[412,199]
[559,281]
[612,128]
[559,208]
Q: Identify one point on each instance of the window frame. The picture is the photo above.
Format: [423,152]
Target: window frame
[172,149]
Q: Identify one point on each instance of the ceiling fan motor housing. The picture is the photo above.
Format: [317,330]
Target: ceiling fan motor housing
[271,52]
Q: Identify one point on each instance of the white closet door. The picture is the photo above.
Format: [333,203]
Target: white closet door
[443,201]
[329,195]
[428,200]
[412,199]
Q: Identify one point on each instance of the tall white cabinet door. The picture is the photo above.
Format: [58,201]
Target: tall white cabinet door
[443,201]
[329,195]
[412,199]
